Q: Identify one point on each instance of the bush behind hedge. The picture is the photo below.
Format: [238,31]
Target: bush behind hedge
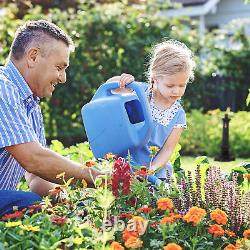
[116,38]
[204,133]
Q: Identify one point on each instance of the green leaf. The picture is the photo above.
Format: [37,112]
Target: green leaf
[104,198]
[248,98]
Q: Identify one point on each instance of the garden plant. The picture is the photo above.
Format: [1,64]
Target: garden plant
[124,211]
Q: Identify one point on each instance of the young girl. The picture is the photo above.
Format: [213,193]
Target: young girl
[170,69]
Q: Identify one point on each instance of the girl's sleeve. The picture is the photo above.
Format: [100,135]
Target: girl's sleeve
[181,121]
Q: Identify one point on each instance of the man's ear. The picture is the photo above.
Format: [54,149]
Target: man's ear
[32,56]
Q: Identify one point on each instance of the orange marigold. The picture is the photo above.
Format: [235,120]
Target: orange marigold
[170,218]
[140,223]
[55,190]
[133,242]
[175,216]
[194,215]
[167,220]
[230,247]
[116,246]
[127,234]
[246,234]
[219,216]
[247,176]
[89,164]
[216,230]
[230,233]
[165,204]
[172,246]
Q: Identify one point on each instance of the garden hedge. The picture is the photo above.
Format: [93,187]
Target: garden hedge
[115,38]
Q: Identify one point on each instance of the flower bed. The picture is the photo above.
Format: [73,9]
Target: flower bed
[125,212]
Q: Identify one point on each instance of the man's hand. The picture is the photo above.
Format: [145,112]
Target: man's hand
[47,164]
[39,185]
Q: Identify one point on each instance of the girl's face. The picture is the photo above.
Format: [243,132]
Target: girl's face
[171,87]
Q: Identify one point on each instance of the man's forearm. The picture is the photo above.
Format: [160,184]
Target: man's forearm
[50,164]
[47,164]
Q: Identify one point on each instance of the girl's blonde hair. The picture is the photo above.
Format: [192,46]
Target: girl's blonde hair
[170,57]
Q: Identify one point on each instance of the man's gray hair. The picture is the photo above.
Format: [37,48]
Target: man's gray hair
[37,31]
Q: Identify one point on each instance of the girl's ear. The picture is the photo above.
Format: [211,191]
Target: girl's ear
[152,80]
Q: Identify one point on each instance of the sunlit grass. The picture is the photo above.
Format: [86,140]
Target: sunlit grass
[188,163]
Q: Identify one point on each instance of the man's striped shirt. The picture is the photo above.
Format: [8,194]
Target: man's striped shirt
[21,121]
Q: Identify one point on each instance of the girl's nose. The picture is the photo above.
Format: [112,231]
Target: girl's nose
[176,91]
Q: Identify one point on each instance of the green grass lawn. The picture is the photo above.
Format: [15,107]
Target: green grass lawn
[188,163]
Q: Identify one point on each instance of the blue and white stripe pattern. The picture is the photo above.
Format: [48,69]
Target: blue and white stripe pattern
[21,121]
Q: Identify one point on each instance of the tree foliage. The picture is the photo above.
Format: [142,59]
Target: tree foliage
[112,38]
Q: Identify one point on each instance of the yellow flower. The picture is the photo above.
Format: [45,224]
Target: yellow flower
[13,224]
[78,240]
[84,183]
[109,156]
[153,150]
[30,228]
[61,175]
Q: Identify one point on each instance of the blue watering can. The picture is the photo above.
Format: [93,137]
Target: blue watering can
[117,123]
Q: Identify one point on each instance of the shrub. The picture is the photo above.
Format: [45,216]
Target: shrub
[204,133]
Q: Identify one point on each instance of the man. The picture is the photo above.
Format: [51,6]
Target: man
[37,62]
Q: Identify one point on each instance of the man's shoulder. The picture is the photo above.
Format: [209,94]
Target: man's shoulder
[6,84]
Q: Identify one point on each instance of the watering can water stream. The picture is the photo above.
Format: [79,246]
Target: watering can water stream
[117,123]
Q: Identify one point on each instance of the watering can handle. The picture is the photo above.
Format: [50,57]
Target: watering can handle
[105,90]
[140,91]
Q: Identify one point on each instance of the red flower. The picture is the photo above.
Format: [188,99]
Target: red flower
[121,177]
[144,210]
[35,208]
[154,224]
[144,171]
[125,215]
[59,220]
[17,214]
[230,233]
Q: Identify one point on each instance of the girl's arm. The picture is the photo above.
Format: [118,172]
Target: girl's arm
[166,151]
[114,79]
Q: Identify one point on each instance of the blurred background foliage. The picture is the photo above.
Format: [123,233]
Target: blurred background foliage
[113,37]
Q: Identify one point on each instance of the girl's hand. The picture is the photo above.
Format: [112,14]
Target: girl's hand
[125,79]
